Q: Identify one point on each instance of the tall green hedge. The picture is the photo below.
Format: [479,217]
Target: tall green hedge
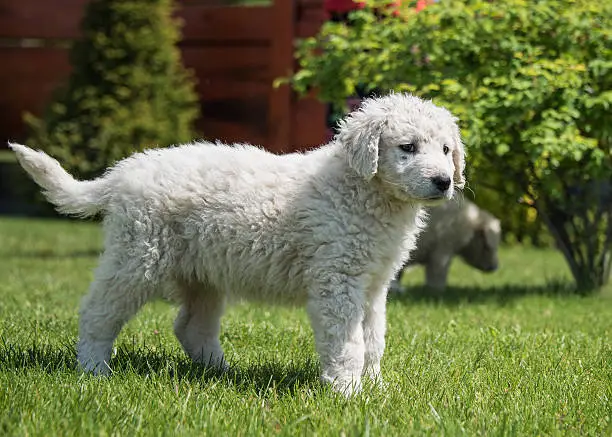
[128,90]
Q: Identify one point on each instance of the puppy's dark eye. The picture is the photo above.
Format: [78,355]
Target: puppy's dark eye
[408,148]
[445,149]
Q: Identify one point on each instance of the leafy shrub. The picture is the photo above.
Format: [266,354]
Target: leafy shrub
[128,89]
[532,85]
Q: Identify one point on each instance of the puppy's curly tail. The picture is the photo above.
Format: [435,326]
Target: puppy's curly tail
[80,198]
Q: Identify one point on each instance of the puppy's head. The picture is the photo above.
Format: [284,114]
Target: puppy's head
[411,145]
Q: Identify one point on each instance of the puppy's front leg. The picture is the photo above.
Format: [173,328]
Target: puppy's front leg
[336,311]
[436,271]
[374,328]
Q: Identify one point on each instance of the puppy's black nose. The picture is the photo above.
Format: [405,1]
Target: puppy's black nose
[491,268]
[441,182]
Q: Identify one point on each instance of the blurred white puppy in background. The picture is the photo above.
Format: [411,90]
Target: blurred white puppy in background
[457,227]
[205,223]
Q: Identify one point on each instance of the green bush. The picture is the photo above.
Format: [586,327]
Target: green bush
[128,90]
[532,85]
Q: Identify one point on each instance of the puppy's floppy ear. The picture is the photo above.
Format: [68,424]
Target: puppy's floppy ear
[458,159]
[492,232]
[359,135]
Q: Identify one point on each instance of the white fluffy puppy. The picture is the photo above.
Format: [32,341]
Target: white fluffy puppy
[458,227]
[201,223]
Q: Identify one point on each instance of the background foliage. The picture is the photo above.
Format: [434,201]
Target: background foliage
[128,89]
[531,84]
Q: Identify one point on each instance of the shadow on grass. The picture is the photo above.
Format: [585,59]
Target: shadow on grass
[284,378]
[260,376]
[51,254]
[501,295]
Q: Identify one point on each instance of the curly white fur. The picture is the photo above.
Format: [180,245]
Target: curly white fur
[205,222]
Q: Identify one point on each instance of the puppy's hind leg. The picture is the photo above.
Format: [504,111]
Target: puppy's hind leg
[198,324]
[115,296]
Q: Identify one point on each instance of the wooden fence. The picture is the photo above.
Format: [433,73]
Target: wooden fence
[235,53]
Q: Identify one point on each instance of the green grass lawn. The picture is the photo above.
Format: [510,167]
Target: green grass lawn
[511,353]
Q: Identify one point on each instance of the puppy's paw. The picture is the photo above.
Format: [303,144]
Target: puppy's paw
[93,357]
[97,369]
[344,385]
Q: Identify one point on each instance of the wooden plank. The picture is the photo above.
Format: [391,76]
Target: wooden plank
[216,88]
[210,24]
[308,28]
[25,96]
[41,19]
[281,63]
[310,17]
[312,4]
[245,110]
[29,78]
[308,114]
[309,130]
[240,63]
[32,63]
[61,19]
[235,53]
[228,132]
